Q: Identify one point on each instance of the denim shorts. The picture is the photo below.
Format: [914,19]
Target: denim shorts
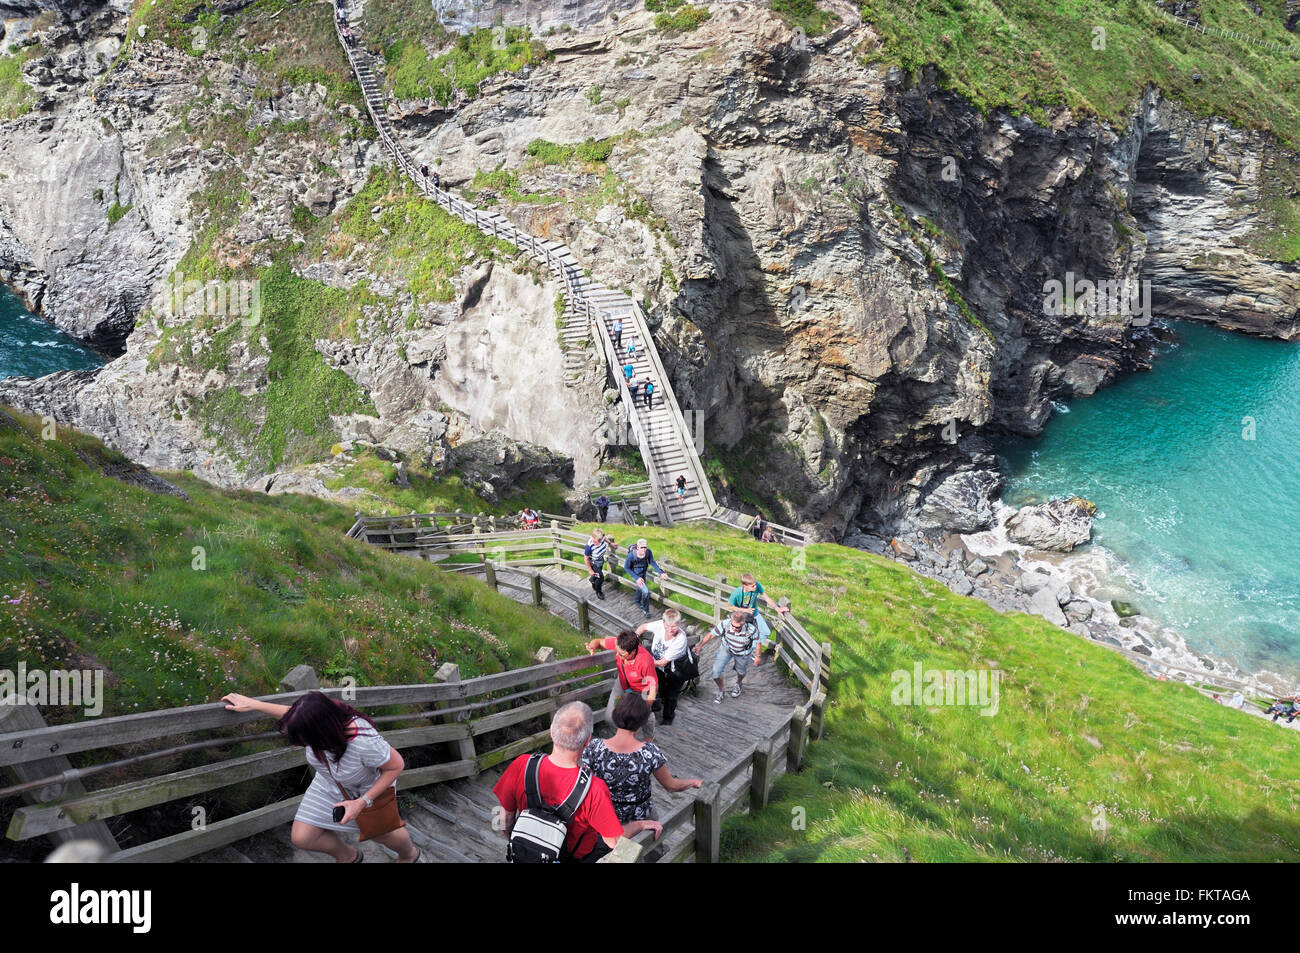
[744,662]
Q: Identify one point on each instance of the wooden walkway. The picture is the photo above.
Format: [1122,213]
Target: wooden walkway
[452,822]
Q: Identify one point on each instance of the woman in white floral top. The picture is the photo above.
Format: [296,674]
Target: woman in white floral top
[626,765]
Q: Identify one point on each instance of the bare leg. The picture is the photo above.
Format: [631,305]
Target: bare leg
[307,837]
[400,841]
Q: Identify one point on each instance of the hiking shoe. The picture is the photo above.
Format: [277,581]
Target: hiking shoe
[599,594]
[646,611]
[717,699]
[735,692]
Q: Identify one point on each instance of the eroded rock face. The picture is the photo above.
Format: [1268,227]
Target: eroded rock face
[1057,526]
[496,463]
[786,214]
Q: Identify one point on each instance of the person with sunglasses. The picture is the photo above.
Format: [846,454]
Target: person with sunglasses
[739,644]
[637,674]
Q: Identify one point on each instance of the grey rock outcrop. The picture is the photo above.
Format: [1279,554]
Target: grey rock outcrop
[1058,526]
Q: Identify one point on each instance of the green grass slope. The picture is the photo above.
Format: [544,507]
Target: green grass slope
[1085,759]
[1036,55]
[182,601]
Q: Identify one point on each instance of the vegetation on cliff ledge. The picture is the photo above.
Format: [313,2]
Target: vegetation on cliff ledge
[1038,55]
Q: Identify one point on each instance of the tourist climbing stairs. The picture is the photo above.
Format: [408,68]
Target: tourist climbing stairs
[669,447]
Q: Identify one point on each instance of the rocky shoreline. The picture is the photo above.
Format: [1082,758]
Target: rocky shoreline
[1073,589]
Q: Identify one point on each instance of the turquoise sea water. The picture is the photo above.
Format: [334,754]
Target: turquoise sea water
[1204,519]
[30,347]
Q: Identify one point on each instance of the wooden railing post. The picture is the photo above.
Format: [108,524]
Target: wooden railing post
[798,739]
[760,780]
[555,540]
[25,718]
[708,823]
[480,547]
[535,578]
[818,716]
[450,672]
[718,600]
[490,573]
[584,615]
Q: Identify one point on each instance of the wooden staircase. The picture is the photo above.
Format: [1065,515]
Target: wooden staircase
[666,443]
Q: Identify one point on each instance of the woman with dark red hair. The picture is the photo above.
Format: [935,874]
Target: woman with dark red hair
[355,767]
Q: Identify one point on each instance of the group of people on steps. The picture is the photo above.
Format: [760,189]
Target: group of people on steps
[601,788]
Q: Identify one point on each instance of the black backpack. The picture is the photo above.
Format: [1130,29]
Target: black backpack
[540,830]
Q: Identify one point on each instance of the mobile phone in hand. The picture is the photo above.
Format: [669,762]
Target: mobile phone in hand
[339,811]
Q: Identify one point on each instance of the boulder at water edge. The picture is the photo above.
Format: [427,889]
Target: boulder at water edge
[1058,526]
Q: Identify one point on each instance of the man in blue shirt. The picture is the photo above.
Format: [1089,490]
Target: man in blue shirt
[616,332]
[639,561]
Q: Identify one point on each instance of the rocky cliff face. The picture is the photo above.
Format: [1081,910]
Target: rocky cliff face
[210,164]
[849,271]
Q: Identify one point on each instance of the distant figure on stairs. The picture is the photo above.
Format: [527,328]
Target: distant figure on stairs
[602,507]
[629,351]
[424,171]
[529,518]
[616,332]
[759,527]
[639,561]
[649,392]
[594,829]
[628,370]
[769,535]
[350,757]
[681,486]
[437,181]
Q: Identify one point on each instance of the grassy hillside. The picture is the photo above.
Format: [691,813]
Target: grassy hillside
[1085,759]
[95,571]
[1097,58]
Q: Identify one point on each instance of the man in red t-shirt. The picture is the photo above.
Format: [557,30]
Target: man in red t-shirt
[636,673]
[595,828]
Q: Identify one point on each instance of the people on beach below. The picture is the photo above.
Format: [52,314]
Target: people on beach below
[745,598]
[640,559]
[671,652]
[616,332]
[637,674]
[739,646]
[592,828]
[594,555]
[529,518]
[626,763]
[681,486]
[602,507]
[356,772]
